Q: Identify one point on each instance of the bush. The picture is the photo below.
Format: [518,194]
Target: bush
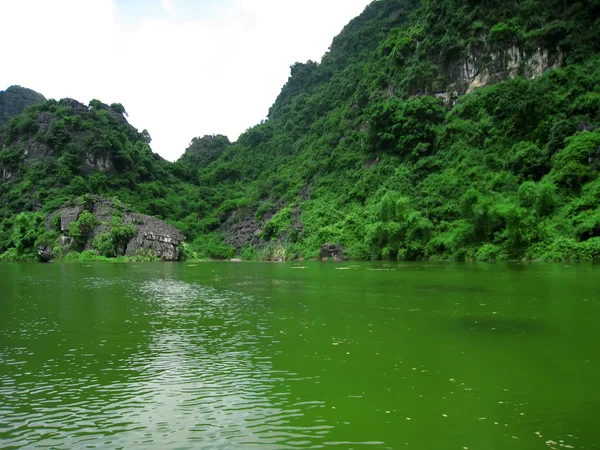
[211,246]
[105,245]
[490,252]
[80,229]
[278,223]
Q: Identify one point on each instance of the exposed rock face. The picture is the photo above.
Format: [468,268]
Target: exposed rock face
[334,251]
[248,231]
[155,236]
[67,216]
[152,236]
[484,68]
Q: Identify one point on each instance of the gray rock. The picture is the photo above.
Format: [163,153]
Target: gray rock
[67,216]
[45,253]
[15,99]
[335,251]
[65,242]
[154,236]
[242,228]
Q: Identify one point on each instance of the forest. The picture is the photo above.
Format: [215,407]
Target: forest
[431,130]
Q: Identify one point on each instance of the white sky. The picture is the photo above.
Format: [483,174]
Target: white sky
[181,68]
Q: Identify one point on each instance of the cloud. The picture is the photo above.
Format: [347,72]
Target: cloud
[215,71]
[168,6]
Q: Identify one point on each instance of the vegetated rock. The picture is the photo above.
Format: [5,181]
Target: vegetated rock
[204,150]
[37,149]
[67,216]
[152,237]
[242,229]
[15,99]
[335,251]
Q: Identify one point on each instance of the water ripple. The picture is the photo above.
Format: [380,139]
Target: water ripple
[193,370]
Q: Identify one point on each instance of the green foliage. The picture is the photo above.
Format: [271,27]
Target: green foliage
[249,253]
[211,246]
[81,228]
[277,251]
[105,245]
[278,223]
[505,34]
[26,229]
[406,128]
[572,168]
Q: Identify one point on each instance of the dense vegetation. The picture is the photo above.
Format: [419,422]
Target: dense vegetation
[384,147]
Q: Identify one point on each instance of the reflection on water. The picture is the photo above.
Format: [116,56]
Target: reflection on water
[269,356]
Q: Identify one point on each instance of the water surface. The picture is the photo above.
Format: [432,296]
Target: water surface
[304,355]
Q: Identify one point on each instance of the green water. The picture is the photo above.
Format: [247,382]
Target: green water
[310,355]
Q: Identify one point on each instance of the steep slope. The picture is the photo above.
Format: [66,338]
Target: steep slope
[454,129]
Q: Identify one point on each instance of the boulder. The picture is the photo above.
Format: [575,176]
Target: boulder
[45,253]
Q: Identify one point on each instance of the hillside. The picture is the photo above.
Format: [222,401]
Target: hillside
[59,153]
[430,130]
[453,130]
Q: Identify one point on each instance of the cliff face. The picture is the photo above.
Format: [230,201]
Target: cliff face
[489,67]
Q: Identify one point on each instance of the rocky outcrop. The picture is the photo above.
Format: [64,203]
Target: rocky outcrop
[334,251]
[242,229]
[152,236]
[67,216]
[484,68]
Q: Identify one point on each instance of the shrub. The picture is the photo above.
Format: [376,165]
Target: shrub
[211,246]
[80,229]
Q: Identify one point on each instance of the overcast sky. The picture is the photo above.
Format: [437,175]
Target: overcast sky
[181,68]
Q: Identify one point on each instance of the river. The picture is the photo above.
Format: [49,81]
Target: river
[222,355]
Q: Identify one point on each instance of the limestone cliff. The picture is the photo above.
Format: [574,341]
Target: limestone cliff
[487,67]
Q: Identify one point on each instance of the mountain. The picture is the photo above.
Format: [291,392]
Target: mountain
[452,129]
[60,153]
